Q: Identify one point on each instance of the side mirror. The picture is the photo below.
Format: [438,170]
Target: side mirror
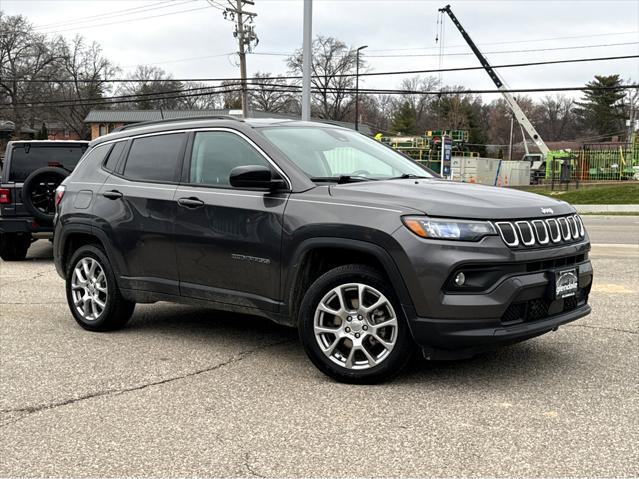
[255,176]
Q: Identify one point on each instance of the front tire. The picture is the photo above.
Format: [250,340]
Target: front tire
[92,292]
[352,326]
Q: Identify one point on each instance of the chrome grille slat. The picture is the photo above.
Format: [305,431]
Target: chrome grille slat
[546,238]
[574,229]
[526,242]
[565,228]
[541,232]
[503,235]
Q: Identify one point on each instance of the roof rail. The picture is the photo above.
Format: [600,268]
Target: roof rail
[174,120]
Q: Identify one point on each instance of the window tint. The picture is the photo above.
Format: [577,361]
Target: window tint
[216,153]
[154,158]
[114,156]
[28,157]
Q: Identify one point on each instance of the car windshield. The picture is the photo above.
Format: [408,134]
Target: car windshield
[28,157]
[332,154]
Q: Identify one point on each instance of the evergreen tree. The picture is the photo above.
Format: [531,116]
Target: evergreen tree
[405,120]
[601,111]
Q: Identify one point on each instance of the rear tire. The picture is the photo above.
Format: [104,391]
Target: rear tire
[92,292]
[352,326]
[14,246]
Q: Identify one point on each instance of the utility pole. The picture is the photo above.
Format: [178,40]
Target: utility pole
[247,40]
[307,59]
[357,86]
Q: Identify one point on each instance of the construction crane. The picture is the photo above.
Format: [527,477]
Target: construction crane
[536,160]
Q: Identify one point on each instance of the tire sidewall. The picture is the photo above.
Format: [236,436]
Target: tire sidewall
[29,184]
[397,358]
[98,255]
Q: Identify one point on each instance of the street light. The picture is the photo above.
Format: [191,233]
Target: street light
[357,86]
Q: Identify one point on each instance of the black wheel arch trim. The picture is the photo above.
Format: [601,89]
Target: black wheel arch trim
[381,254]
[62,235]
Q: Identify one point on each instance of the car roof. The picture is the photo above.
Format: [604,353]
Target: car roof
[159,126]
[44,142]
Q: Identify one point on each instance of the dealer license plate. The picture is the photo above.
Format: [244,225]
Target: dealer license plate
[566,283]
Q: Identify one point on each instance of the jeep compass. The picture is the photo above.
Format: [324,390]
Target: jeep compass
[370,255]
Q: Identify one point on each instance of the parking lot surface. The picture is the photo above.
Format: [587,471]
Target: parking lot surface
[185,391]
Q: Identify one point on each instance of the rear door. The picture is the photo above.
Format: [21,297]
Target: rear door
[228,239]
[138,209]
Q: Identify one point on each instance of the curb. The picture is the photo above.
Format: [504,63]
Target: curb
[607,208]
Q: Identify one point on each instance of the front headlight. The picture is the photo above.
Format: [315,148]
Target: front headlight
[449,229]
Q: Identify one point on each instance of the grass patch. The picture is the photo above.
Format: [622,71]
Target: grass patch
[626,194]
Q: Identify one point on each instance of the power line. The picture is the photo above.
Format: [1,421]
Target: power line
[470,53]
[106,16]
[296,89]
[128,20]
[510,51]
[509,42]
[297,77]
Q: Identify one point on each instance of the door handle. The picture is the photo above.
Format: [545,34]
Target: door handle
[190,202]
[112,195]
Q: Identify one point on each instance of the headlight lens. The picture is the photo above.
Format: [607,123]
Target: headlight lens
[449,229]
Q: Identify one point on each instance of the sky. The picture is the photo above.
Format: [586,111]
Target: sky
[191,39]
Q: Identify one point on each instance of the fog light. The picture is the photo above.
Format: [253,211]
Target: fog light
[460,279]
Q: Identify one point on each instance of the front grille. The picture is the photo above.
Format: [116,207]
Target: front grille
[542,308]
[541,232]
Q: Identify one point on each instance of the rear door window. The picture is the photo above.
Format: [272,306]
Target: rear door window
[155,158]
[28,157]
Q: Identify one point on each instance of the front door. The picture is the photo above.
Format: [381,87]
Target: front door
[228,239]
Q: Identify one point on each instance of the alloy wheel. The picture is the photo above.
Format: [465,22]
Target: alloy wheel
[355,326]
[89,288]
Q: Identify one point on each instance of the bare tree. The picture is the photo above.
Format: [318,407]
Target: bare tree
[555,118]
[332,96]
[424,105]
[86,72]
[154,87]
[232,96]
[24,56]
[271,94]
[206,100]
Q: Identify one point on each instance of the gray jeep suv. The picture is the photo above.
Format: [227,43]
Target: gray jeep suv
[315,226]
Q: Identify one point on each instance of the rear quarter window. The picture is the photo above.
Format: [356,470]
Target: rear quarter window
[155,158]
[116,152]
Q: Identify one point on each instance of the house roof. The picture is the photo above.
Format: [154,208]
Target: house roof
[136,116]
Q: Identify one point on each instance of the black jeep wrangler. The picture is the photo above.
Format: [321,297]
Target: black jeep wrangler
[31,172]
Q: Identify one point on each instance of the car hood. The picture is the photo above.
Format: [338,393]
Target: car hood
[449,199]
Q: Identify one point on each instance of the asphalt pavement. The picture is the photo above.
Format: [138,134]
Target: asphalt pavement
[185,391]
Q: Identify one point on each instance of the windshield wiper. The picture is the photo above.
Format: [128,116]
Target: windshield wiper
[342,179]
[407,176]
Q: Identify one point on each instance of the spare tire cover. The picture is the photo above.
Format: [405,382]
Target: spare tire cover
[38,192]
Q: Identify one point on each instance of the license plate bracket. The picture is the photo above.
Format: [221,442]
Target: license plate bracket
[564,284]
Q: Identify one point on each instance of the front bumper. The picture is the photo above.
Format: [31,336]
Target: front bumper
[454,339]
[22,225]
[515,306]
